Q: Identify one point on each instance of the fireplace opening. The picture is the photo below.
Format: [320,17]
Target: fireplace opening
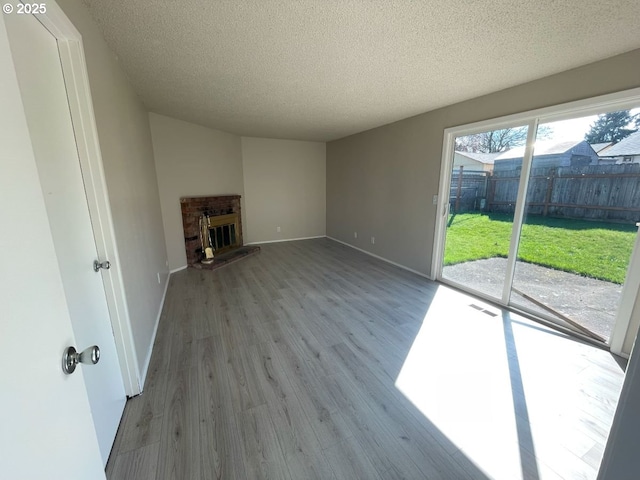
[219,232]
[213,231]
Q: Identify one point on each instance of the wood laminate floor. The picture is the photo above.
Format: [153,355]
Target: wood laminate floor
[313,360]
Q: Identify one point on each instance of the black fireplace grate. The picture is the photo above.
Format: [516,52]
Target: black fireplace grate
[223,236]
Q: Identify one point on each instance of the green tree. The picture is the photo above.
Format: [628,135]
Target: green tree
[612,127]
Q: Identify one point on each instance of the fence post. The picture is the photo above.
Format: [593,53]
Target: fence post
[459,190]
[490,192]
[547,196]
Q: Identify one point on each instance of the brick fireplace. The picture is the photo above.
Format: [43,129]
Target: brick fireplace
[214,222]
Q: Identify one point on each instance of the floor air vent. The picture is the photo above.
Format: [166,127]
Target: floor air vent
[483,310]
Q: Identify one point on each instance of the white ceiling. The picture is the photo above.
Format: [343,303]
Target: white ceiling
[324,69]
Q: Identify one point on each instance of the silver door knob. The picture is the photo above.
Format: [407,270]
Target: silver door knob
[71,358]
[98,265]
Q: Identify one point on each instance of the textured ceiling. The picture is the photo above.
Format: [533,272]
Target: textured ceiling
[324,69]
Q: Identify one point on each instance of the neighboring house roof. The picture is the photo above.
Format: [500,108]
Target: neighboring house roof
[626,146]
[486,158]
[597,147]
[546,147]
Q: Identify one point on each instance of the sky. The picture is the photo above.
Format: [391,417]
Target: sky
[575,129]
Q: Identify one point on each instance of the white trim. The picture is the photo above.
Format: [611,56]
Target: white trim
[605,103]
[589,106]
[628,296]
[179,269]
[147,361]
[284,240]
[81,107]
[519,211]
[381,258]
[442,208]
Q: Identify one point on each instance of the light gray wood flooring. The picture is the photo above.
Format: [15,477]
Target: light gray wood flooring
[313,360]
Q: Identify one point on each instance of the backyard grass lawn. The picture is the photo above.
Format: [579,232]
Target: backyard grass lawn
[593,249]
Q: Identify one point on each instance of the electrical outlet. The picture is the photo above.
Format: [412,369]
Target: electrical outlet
[435,199]
[158,274]
[373,240]
[278,229]
[355,234]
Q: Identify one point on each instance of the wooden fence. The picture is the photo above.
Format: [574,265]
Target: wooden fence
[594,192]
[468,190]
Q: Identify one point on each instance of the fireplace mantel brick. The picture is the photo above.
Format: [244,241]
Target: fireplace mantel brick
[193,207]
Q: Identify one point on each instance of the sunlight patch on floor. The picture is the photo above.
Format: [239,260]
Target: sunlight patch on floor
[461,383]
[510,394]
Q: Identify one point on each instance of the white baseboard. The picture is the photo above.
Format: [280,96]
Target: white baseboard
[381,258]
[184,267]
[285,240]
[145,370]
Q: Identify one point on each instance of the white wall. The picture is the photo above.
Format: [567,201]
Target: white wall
[282,182]
[191,160]
[285,186]
[127,154]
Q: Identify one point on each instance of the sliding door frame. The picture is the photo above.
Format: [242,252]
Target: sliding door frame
[518,214]
[606,103]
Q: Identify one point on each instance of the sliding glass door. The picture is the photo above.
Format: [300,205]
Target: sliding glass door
[542,217]
[478,231]
[578,228]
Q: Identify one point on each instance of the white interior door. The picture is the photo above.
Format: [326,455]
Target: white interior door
[41,82]
[46,426]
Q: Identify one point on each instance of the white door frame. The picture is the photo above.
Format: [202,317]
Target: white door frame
[76,79]
[630,290]
[611,102]
[47,428]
